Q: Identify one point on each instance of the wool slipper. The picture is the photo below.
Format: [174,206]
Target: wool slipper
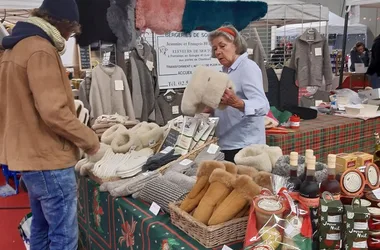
[125,142]
[250,171]
[205,89]
[245,189]
[230,167]
[220,187]
[149,134]
[200,188]
[254,157]
[112,132]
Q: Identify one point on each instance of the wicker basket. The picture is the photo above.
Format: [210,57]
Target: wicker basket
[208,236]
[191,155]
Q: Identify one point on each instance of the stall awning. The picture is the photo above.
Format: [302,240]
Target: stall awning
[364,3]
[20,4]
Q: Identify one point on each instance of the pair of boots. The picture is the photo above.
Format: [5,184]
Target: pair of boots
[223,191]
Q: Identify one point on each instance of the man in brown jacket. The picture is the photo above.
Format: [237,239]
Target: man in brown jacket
[39,132]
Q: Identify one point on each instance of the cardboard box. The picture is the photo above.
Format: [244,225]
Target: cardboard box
[345,161]
[330,224]
[362,158]
[356,227]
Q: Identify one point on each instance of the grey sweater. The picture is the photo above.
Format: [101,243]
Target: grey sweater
[311,60]
[104,98]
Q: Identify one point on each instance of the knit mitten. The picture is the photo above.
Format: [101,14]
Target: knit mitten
[126,141]
[254,157]
[110,134]
[220,187]
[200,188]
[245,189]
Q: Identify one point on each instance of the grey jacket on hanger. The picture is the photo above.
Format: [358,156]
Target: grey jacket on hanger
[311,60]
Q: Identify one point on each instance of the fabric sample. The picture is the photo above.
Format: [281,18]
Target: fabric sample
[181,166]
[160,16]
[210,14]
[181,180]
[162,192]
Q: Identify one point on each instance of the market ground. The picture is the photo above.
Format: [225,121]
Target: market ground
[12,210]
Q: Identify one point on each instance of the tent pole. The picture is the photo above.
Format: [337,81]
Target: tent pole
[341,70]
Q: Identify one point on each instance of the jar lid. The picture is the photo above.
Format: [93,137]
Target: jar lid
[374,211]
[372,175]
[352,182]
[270,205]
[364,202]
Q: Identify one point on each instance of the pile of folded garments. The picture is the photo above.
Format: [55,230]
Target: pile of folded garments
[104,122]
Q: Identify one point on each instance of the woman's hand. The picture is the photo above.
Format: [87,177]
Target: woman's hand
[229,98]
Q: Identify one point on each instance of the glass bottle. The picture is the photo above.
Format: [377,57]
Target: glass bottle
[376,154]
[309,153]
[309,195]
[331,184]
[294,183]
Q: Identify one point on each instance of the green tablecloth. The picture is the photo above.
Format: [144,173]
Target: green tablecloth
[109,223]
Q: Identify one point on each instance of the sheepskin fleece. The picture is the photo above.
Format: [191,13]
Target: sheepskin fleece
[210,14]
[121,19]
[205,89]
[161,16]
[254,157]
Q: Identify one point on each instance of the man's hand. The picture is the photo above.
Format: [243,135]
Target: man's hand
[94,150]
[229,98]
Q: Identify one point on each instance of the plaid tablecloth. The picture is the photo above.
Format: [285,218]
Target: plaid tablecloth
[108,223]
[329,135]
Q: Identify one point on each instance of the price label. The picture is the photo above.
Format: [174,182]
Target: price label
[167,150]
[155,208]
[119,85]
[175,110]
[213,148]
[185,162]
[226,248]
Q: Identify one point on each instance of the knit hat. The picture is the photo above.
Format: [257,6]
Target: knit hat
[205,89]
[61,9]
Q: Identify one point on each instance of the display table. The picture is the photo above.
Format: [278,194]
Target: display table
[109,223]
[329,135]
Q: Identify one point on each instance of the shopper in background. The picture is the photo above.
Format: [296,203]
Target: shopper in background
[39,131]
[242,122]
[374,66]
[359,54]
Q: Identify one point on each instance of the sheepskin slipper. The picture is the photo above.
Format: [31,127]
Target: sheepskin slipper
[205,89]
[262,179]
[230,167]
[201,186]
[125,142]
[243,170]
[245,189]
[282,168]
[148,133]
[111,133]
[85,165]
[221,183]
[254,157]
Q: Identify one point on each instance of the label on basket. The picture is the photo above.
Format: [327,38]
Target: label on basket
[167,150]
[155,208]
[226,248]
[212,149]
[185,162]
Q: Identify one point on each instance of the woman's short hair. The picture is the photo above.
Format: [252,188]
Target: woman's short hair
[359,44]
[237,39]
[66,25]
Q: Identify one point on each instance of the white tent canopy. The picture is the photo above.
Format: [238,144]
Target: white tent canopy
[364,3]
[335,26]
[20,4]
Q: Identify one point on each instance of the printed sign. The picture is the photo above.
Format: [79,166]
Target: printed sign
[178,54]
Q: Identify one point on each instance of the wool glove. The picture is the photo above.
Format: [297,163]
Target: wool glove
[220,187]
[245,189]
[200,188]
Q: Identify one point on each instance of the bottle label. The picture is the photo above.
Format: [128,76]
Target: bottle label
[360,226]
[360,244]
[335,236]
[334,218]
[295,124]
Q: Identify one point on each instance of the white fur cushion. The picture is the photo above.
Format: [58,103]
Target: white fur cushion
[254,157]
[205,89]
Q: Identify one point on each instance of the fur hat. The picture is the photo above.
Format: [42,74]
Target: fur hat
[205,89]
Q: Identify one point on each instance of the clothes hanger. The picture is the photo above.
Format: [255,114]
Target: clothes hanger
[168,91]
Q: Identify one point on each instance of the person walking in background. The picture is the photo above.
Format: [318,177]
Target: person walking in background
[374,66]
[39,131]
[359,54]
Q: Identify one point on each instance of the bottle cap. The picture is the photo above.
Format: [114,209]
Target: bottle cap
[331,160]
[293,159]
[309,152]
[311,163]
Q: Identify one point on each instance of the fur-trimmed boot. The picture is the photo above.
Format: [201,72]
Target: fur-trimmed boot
[230,167]
[221,183]
[201,186]
[245,189]
[262,179]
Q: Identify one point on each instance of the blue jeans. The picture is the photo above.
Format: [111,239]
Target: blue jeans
[53,199]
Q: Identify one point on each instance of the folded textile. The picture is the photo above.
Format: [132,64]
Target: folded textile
[85,165]
[205,89]
[282,168]
[192,171]
[100,130]
[204,155]
[130,186]
[181,180]
[103,125]
[116,118]
[162,192]
[160,160]
[182,166]
[134,164]
[270,120]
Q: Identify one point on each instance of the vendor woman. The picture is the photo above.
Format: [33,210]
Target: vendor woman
[242,122]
